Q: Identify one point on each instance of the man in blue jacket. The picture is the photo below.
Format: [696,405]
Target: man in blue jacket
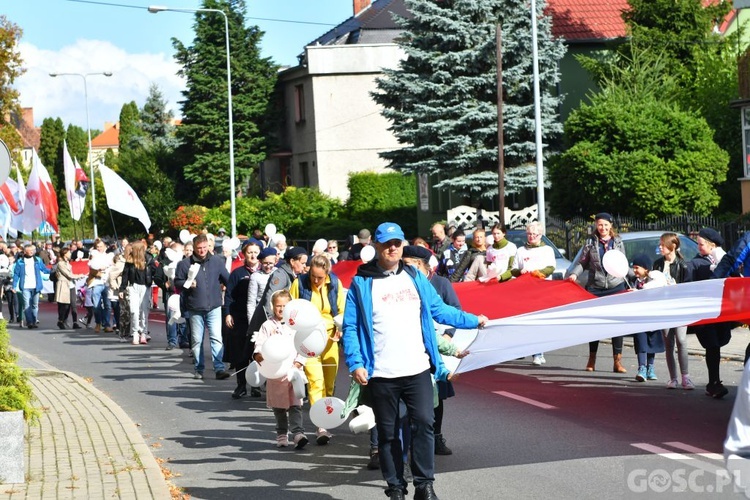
[27,279]
[391,347]
[203,303]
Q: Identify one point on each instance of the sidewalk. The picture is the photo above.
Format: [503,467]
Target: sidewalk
[84,446]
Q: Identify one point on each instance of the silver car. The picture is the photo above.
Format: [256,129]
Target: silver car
[646,242]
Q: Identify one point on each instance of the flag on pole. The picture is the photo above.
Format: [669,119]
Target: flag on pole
[41,201]
[10,192]
[121,197]
[76,184]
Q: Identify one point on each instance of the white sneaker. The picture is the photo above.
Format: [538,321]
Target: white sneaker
[282,441]
[687,383]
[672,384]
[538,360]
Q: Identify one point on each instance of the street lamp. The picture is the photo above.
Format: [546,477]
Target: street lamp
[154,9]
[88,129]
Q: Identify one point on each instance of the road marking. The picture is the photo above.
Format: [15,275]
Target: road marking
[657,450]
[695,450]
[522,399]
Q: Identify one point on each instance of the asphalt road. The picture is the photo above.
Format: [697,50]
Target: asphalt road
[517,431]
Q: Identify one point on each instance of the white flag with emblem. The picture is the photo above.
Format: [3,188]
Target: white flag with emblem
[121,197]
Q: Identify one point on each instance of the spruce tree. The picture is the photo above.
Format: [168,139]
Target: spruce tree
[204,132]
[441,100]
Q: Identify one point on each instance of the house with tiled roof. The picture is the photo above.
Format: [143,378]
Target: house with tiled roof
[109,139]
[332,127]
[29,134]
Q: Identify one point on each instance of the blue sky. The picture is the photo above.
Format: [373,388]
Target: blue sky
[88,37]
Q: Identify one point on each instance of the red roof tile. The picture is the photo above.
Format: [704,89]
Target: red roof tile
[110,138]
[587,19]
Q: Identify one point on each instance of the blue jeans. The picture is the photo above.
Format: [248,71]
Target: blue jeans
[100,299]
[416,393]
[199,322]
[174,330]
[30,305]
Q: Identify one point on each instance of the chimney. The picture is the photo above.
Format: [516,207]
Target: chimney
[360,5]
[28,117]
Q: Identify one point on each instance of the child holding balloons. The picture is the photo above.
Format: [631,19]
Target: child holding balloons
[280,395]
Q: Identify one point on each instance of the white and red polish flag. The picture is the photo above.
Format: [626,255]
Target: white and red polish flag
[41,201]
[76,184]
[528,315]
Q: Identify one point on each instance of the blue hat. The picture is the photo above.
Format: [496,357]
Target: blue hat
[417,252]
[711,235]
[294,253]
[388,231]
[643,260]
[267,252]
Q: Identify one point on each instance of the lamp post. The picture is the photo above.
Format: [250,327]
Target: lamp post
[541,205]
[154,9]
[88,130]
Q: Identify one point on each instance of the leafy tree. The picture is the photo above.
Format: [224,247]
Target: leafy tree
[130,126]
[441,100]
[204,130]
[680,35]
[638,155]
[52,136]
[78,144]
[10,69]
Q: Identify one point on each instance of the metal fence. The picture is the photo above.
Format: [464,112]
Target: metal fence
[570,234]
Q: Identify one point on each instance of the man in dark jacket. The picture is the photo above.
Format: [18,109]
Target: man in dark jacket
[200,278]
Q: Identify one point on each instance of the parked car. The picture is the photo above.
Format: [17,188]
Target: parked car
[646,242]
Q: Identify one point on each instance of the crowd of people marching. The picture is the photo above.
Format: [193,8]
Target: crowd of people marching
[233,295]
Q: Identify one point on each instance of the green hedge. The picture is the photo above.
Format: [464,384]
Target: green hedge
[15,390]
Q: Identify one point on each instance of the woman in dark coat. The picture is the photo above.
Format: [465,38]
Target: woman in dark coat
[234,329]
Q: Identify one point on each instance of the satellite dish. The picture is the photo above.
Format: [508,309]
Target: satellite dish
[4,162]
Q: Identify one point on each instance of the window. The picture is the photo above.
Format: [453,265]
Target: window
[299,103]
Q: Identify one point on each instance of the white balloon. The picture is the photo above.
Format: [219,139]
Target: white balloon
[320,246]
[158,244]
[364,421]
[299,381]
[253,376]
[311,344]
[301,315]
[326,413]
[185,236]
[172,255]
[273,371]
[231,244]
[270,230]
[277,348]
[616,263]
[367,253]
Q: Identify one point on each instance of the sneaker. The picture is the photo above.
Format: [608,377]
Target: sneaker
[651,373]
[76,326]
[123,339]
[641,375]
[672,384]
[716,390]
[282,441]
[255,392]
[300,440]
[221,375]
[108,329]
[537,360]
[170,347]
[374,462]
[440,447]
[322,436]
[143,339]
[687,383]
[136,341]
[198,375]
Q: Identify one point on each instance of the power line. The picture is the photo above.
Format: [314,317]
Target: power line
[140,7]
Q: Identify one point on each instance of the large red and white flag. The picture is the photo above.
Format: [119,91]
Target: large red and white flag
[528,315]
[12,194]
[40,204]
[76,184]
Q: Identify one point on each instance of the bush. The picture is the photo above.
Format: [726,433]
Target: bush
[191,217]
[369,191]
[15,390]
